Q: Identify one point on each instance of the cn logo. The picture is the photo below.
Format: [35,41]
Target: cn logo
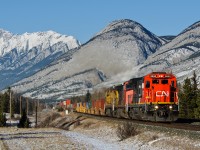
[162,93]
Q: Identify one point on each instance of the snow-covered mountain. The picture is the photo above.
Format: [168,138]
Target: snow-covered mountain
[121,46]
[23,55]
[181,55]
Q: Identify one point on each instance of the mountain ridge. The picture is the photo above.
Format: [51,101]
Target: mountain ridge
[122,50]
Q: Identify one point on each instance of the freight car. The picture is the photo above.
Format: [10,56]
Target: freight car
[152,97]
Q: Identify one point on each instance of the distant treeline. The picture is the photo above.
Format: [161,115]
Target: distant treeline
[14,98]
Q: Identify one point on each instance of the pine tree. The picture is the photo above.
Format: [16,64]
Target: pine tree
[5,102]
[88,99]
[182,103]
[12,105]
[24,121]
[189,102]
[185,97]
[194,91]
[2,115]
[17,105]
[2,119]
[197,109]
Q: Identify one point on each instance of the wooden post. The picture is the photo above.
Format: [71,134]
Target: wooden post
[20,103]
[38,104]
[36,114]
[10,105]
[27,107]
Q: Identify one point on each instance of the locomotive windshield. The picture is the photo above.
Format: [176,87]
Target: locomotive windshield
[164,81]
[155,81]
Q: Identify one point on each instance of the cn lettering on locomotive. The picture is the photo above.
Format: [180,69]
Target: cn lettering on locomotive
[162,93]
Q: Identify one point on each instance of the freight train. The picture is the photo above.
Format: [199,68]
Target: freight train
[152,97]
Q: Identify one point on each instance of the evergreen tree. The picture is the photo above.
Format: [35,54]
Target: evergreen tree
[189,102]
[197,110]
[2,119]
[182,103]
[88,99]
[24,121]
[185,97]
[194,91]
[17,105]
[5,102]
[2,115]
[1,102]
[12,105]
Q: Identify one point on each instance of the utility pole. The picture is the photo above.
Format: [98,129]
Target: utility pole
[38,104]
[36,114]
[10,107]
[27,106]
[20,103]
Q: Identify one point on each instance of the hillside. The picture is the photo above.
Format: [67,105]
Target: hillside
[181,55]
[121,46]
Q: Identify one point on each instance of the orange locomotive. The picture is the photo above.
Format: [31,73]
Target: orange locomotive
[155,97]
[152,97]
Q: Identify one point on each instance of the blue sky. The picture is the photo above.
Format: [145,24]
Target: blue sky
[84,18]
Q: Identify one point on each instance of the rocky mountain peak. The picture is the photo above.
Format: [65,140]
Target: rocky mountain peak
[121,24]
[5,34]
[193,26]
[126,27]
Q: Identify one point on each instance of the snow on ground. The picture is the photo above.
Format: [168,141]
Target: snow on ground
[102,136]
[93,134]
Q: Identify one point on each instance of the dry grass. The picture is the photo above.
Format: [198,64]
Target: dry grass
[50,117]
[88,124]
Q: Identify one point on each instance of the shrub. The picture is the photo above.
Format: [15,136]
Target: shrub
[48,119]
[88,124]
[126,130]
[59,108]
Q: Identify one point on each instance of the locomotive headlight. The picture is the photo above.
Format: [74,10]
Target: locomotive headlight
[170,107]
[156,107]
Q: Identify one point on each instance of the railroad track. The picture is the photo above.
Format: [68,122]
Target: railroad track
[173,125]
